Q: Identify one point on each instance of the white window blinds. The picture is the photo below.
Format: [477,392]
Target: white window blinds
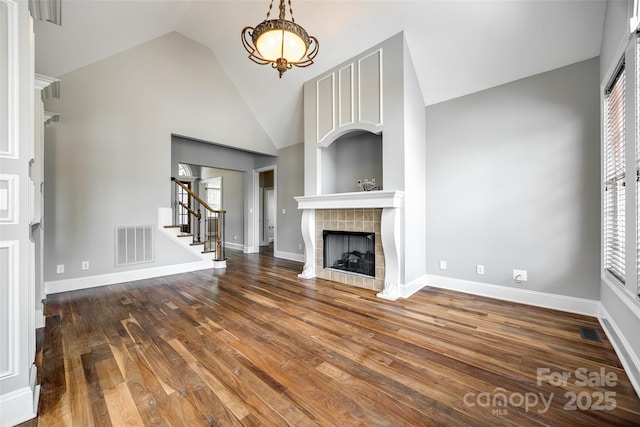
[614,194]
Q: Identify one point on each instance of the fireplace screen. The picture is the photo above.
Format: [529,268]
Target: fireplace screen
[350,251]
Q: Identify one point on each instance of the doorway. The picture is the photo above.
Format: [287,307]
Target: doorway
[266,204]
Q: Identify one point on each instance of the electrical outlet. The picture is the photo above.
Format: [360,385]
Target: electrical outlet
[520,276]
[480,269]
[85,265]
[443,265]
[235,237]
[60,268]
[284,211]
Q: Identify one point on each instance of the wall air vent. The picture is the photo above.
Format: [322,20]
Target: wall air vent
[134,244]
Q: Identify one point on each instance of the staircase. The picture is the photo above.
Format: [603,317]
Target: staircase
[195,225]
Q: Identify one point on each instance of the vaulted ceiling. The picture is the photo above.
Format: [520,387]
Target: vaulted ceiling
[458,47]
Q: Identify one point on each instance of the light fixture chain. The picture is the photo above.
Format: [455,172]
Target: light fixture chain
[269,11]
[291,12]
[282,10]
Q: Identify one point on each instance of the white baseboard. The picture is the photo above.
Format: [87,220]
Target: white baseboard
[234,246]
[20,405]
[524,296]
[414,286]
[628,357]
[289,255]
[56,286]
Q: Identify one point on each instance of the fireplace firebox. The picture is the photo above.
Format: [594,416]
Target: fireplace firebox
[350,251]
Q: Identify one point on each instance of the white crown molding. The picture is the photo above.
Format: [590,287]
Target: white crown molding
[41,81]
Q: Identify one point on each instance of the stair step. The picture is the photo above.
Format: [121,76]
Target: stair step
[172,226]
[184,235]
[209,252]
[197,243]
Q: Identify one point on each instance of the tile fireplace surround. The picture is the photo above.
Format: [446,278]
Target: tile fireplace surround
[361,220]
[370,211]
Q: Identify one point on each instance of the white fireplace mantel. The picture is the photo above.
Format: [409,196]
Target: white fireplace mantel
[361,199]
[391,203]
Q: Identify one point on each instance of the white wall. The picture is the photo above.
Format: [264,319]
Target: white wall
[513,183]
[108,161]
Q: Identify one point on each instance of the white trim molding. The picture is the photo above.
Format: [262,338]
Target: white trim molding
[9,202]
[332,105]
[12,345]
[12,102]
[20,405]
[289,255]
[367,89]
[57,286]
[628,357]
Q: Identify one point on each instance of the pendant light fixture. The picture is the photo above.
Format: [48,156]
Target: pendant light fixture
[280,42]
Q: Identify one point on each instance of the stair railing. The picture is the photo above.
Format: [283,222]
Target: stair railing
[206,223]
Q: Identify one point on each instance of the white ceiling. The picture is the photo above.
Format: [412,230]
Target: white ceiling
[458,47]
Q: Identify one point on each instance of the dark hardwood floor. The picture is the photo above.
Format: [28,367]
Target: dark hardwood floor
[255,345]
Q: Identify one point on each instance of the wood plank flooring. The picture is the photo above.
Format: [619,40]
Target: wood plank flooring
[256,346]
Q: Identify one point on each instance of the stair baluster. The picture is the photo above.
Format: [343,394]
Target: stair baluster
[207,223]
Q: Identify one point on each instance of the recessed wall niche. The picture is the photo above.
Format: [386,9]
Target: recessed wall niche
[352,157]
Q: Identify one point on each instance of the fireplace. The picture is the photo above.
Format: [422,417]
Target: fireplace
[369,213]
[350,251]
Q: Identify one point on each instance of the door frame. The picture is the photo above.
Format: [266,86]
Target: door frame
[255,218]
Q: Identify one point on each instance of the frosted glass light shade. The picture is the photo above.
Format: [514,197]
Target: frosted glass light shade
[271,47]
[280,43]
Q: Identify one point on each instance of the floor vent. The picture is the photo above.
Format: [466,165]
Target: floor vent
[590,334]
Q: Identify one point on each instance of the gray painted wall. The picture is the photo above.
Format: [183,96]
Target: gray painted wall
[290,181]
[185,150]
[357,156]
[108,161]
[512,179]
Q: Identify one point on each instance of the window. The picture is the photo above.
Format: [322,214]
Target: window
[214,193]
[614,184]
[184,170]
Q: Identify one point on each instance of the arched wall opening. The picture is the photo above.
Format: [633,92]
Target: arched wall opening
[352,158]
